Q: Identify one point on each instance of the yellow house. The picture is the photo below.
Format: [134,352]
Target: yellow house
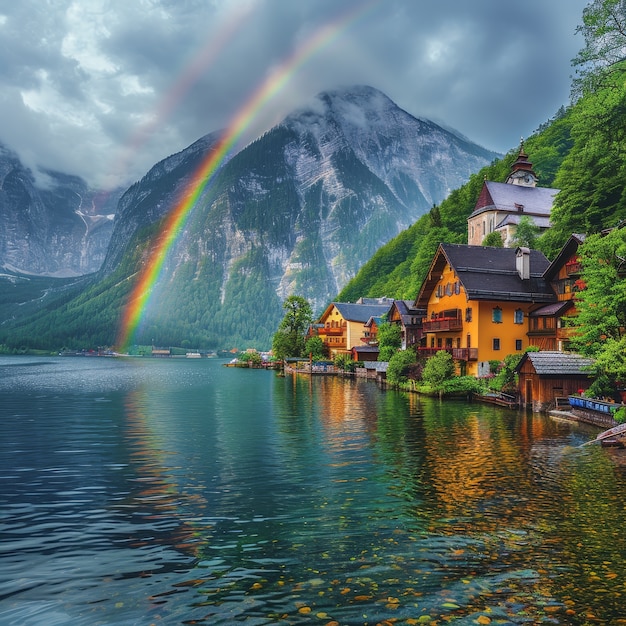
[477,302]
[342,326]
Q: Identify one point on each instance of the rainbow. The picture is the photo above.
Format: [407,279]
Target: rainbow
[176,219]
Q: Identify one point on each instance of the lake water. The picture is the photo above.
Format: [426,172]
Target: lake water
[146,491]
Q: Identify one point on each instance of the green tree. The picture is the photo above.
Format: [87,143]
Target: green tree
[526,233]
[315,347]
[399,365]
[251,358]
[493,240]
[505,379]
[389,340]
[601,304]
[604,30]
[289,339]
[438,369]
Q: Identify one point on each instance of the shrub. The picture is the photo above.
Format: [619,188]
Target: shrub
[399,366]
[438,369]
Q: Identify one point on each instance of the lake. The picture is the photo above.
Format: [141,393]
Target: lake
[178,491]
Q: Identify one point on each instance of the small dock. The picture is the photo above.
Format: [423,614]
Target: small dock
[499,399]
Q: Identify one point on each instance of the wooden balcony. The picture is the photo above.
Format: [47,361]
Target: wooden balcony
[442,324]
[573,267]
[465,354]
[331,332]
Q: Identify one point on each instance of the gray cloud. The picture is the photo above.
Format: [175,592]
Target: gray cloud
[105,88]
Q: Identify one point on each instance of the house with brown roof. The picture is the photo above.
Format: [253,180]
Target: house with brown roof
[500,206]
[477,301]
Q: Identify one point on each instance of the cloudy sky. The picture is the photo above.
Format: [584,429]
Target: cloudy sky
[106,88]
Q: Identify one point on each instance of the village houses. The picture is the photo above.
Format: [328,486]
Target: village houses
[482,303]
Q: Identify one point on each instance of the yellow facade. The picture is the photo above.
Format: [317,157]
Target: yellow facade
[474,331]
[338,333]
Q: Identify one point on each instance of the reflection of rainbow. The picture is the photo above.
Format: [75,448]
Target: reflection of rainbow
[176,219]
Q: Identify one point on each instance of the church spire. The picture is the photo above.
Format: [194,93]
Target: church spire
[522,170]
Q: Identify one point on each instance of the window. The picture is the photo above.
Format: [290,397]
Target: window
[496,315]
[519,316]
[468,314]
[518,345]
[496,344]
[457,287]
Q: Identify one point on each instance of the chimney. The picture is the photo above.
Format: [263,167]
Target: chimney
[522,263]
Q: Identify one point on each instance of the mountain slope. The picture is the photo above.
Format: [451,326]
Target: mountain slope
[59,227]
[297,211]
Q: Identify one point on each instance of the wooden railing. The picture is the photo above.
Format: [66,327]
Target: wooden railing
[442,324]
[460,354]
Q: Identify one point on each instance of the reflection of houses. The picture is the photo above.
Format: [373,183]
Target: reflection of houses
[342,325]
[477,301]
[500,206]
[410,319]
[549,327]
[547,375]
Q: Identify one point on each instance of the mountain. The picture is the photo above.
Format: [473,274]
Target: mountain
[299,210]
[54,226]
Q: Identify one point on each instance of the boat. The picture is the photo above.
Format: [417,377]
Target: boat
[612,437]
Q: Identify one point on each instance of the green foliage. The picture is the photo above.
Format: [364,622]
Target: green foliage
[526,233]
[251,358]
[620,415]
[493,240]
[600,60]
[389,340]
[289,338]
[601,305]
[344,362]
[315,347]
[505,379]
[464,385]
[438,369]
[399,366]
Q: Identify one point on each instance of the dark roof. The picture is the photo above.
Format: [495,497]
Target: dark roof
[379,366]
[361,312]
[373,349]
[375,319]
[551,309]
[514,218]
[507,197]
[567,251]
[489,274]
[549,363]
[407,311]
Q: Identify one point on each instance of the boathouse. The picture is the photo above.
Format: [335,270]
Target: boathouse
[547,376]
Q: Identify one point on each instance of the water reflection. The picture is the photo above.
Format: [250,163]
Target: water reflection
[184,492]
